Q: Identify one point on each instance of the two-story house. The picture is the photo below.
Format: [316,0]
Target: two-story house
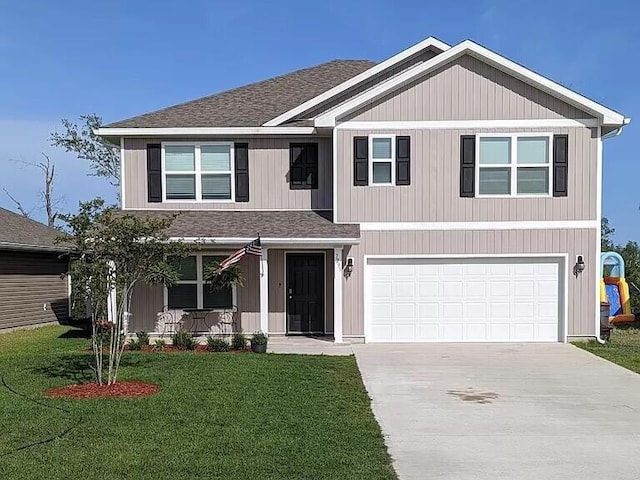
[444,194]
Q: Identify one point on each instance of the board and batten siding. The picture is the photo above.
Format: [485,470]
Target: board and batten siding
[466,89]
[148,301]
[434,193]
[581,288]
[268,177]
[33,288]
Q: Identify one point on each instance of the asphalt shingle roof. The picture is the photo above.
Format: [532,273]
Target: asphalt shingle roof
[19,231]
[250,224]
[254,104]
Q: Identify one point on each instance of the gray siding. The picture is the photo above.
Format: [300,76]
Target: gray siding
[350,93]
[466,89]
[434,193]
[268,177]
[32,289]
[582,289]
[148,301]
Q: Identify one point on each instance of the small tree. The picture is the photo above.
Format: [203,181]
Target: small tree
[606,242]
[113,252]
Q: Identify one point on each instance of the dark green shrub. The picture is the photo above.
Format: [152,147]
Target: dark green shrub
[239,341]
[217,344]
[184,341]
[141,341]
[159,345]
[259,338]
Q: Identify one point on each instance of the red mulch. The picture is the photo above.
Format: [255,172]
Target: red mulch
[126,389]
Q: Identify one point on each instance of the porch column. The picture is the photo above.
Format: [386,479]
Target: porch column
[337,295]
[264,291]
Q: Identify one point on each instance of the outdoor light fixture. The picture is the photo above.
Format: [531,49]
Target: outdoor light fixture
[348,268]
[579,267]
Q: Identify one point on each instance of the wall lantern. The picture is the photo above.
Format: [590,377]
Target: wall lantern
[348,268]
[579,266]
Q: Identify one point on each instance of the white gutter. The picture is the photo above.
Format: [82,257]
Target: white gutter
[266,240]
[197,131]
[617,131]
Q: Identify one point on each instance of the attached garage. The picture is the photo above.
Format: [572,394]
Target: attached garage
[501,299]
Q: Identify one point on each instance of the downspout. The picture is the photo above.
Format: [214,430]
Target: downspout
[611,134]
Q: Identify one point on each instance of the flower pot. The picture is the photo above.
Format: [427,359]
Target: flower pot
[262,348]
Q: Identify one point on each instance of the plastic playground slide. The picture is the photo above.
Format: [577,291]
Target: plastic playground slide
[614,289]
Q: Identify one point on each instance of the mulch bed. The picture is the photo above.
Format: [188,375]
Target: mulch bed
[125,389]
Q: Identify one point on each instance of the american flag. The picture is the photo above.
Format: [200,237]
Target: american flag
[251,248]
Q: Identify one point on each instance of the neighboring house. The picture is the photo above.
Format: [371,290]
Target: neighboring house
[445,194]
[33,285]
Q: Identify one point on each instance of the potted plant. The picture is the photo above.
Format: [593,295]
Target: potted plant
[259,343]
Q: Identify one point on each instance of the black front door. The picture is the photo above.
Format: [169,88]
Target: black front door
[305,293]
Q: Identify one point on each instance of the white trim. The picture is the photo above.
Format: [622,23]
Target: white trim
[468,124]
[564,262]
[328,241]
[598,231]
[376,69]
[515,225]
[201,285]
[513,164]
[122,173]
[337,295]
[170,208]
[324,289]
[608,116]
[190,131]
[69,293]
[197,172]
[334,159]
[264,291]
[391,160]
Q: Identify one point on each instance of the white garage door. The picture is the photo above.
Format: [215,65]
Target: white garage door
[463,300]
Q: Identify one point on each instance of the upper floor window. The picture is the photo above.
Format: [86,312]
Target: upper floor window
[514,165]
[303,166]
[382,159]
[198,171]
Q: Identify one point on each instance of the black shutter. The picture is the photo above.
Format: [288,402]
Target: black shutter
[360,161]
[154,173]
[560,165]
[303,166]
[403,160]
[467,165]
[241,151]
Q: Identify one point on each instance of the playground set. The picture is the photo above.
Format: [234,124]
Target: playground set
[614,289]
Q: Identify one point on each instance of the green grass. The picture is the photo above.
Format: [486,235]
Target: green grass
[216,416]
[623,348]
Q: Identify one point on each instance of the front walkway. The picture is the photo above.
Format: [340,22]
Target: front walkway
[307,346]
[498,411]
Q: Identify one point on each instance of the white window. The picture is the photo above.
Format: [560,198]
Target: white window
[382,154]
[198,171]
[514,165]
[191,291]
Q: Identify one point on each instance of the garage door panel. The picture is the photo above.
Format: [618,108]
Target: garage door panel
[472,300]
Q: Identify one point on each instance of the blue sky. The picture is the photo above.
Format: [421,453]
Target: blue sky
[121,58]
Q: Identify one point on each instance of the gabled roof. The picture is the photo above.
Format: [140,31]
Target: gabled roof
[606,115]
[250,105]
[19,232]
[430,43]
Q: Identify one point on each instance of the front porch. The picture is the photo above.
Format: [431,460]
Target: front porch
[294,287]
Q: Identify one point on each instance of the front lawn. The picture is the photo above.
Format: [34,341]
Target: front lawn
[623,347]
[216,416]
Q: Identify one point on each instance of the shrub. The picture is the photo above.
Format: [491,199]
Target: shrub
[159,345]
[238,341]
[141,341]
[217,344]
[184,341]
[259,338]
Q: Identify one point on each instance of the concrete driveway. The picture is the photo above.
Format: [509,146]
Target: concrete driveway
[494,411]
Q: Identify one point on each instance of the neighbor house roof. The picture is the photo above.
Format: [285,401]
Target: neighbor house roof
[254,104]
[20,232]
[239,225]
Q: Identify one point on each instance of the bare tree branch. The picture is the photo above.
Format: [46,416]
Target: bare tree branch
[19,206]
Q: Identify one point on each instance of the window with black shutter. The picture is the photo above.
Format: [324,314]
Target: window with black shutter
[303,166]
